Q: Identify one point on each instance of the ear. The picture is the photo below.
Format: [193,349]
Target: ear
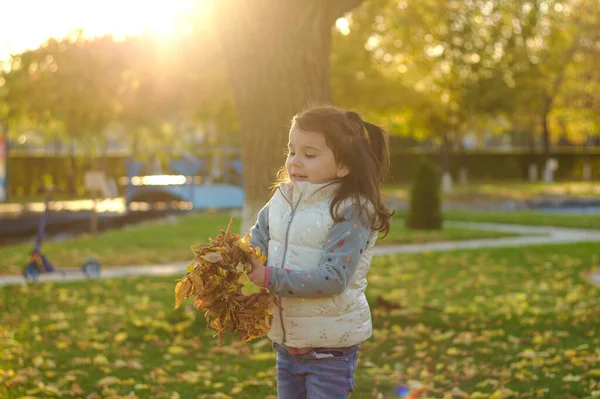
[342,171]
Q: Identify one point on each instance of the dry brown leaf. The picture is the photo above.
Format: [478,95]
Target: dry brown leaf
[213,257]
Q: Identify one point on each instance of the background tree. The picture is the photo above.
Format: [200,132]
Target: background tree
[278,60]
[425,211]
[70,83]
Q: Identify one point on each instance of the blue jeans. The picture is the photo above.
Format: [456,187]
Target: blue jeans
[322,373]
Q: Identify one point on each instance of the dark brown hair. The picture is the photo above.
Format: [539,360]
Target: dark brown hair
[360,146]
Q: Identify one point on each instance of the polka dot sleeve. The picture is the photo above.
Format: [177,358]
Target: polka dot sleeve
[342,251]
[259,233]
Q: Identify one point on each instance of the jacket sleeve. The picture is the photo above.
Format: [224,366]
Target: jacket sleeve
[259,233]
[342,251]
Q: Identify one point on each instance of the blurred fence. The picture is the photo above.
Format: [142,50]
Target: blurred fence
[490,165]
[26,173]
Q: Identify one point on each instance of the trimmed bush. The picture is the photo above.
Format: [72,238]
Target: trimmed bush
[424,210]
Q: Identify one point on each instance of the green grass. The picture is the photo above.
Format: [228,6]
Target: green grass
[532,218]
[499,323]
[505,190]
[163,241]
[152,242]
[582,221]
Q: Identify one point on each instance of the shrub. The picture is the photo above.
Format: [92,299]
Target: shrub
[424,210]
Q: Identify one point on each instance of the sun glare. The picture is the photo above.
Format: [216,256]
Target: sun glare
[28,23]
[343,25]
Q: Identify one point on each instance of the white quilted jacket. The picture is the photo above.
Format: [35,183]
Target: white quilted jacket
[296,239]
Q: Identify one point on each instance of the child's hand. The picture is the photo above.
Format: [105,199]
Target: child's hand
[257,275]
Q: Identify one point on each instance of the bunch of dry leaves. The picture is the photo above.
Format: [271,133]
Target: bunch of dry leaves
[218,279]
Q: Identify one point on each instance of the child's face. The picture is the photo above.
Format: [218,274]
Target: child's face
[310,158]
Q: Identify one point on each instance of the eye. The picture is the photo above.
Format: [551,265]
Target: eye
[310,155]
[290,153]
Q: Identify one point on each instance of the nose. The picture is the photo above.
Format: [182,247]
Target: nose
[293,160]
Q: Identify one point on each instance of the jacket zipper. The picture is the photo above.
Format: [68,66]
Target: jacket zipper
[287,234]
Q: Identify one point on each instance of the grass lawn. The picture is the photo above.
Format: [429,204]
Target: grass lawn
[506,190]
[170,241]
[533,218]
[499,323]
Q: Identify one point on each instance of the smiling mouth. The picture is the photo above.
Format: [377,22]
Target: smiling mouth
[296,177]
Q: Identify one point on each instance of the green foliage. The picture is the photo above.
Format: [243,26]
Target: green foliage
[443,67]
[425,204]
[427,68]
[85,88]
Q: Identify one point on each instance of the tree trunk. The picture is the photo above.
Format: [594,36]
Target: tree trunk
[278,59]
[72,168]
[446,154]
[546,128]
[550,96]
[4,197]
[586,173]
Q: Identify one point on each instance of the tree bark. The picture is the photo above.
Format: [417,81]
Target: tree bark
[72,167]
[545,127]
[445,161]
[277,54]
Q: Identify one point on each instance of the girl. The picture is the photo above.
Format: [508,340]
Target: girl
[318,231]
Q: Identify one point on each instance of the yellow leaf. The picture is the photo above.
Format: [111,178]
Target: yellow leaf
[190,267]
[572,378]
[196,282]
[240,267]
[175,350]
[62,345]
[248,287]
[100,360]
[502,393]
[265,356]
[120,337]
[108,381]
[51,390]
[182,290]
[538,339]
[135,365]
[244,243]
[453,352]
[37,361]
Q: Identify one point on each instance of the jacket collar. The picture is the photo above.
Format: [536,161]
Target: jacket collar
[308,192]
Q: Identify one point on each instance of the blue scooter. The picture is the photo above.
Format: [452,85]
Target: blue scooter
[40,264]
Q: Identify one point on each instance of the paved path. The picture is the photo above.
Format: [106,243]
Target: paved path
[534,236]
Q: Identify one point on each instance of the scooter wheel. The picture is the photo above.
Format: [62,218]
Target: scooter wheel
[91,268]
[32,271]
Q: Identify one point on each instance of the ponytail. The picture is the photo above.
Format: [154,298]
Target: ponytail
[378,143]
